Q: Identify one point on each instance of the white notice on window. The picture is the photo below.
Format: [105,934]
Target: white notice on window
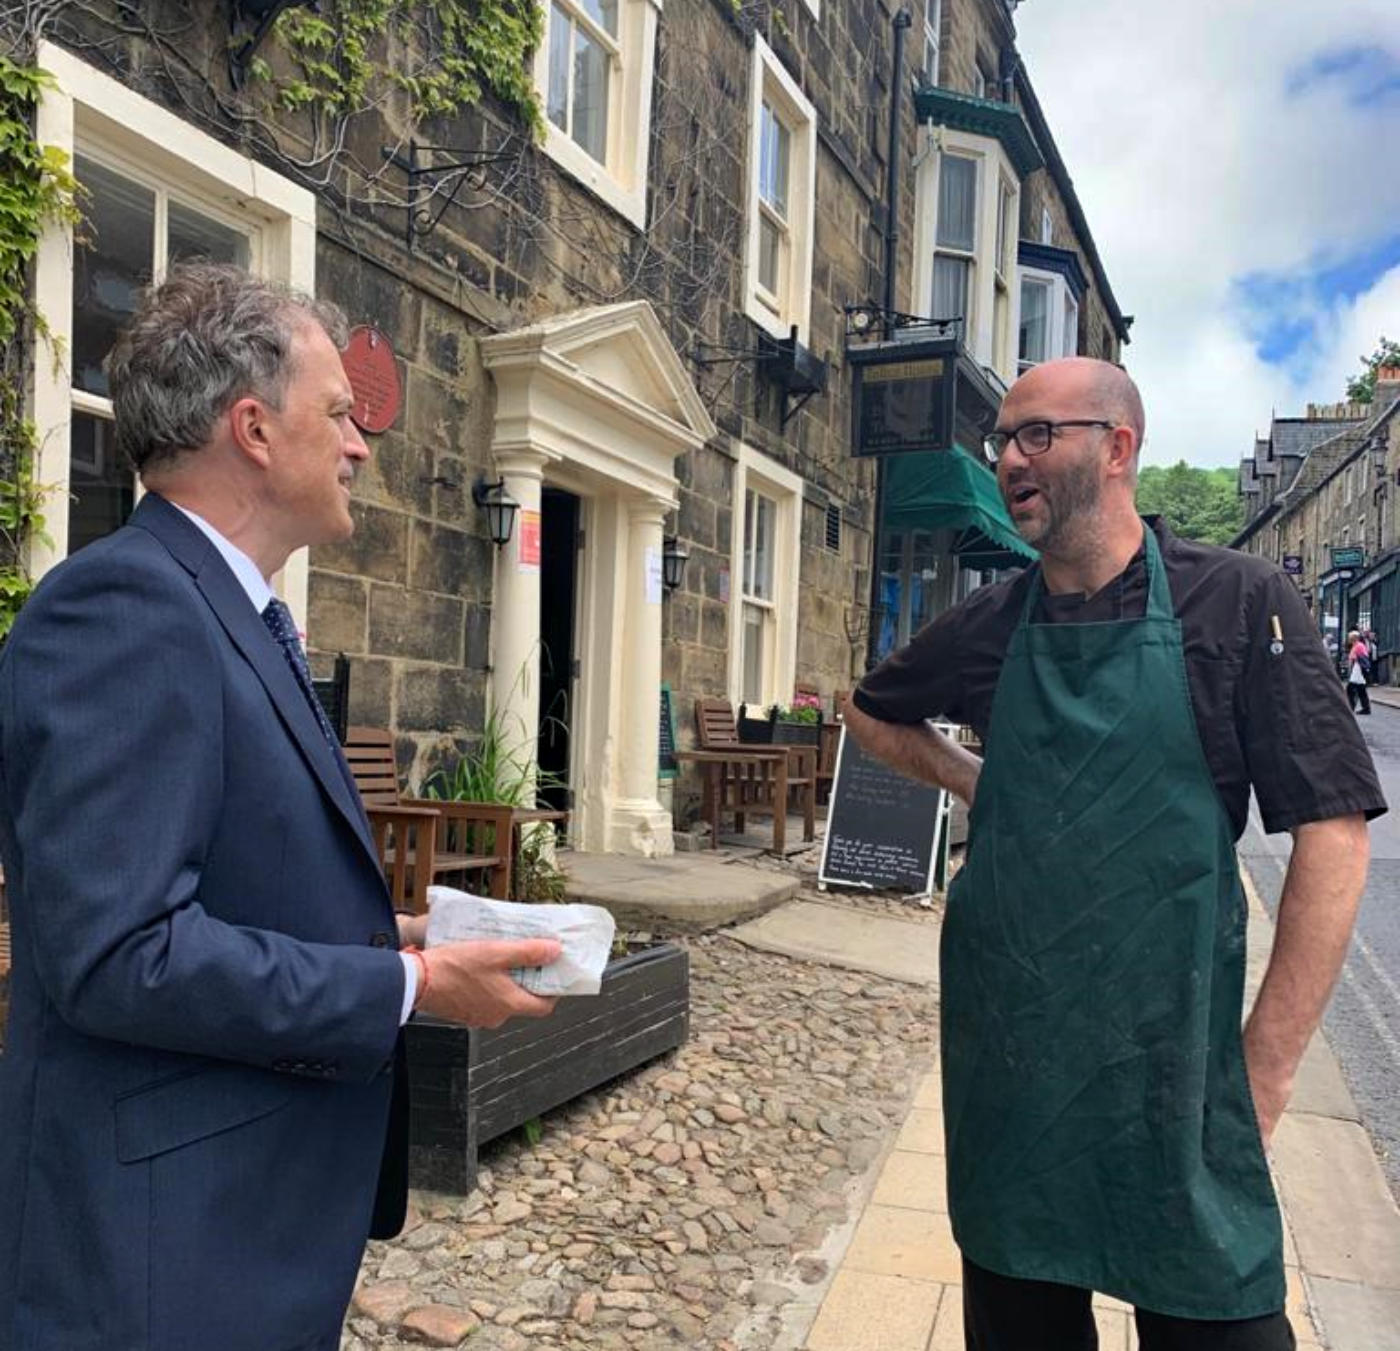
[653,576]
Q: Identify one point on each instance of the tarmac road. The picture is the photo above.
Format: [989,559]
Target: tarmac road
[1363,1021]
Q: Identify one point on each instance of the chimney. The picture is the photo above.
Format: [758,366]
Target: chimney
[1387,387]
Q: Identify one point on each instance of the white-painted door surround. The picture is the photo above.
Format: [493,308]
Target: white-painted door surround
[597,402]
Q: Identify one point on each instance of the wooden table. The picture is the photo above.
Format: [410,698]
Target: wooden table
[759,783]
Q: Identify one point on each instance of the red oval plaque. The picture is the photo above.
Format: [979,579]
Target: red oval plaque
[374,376]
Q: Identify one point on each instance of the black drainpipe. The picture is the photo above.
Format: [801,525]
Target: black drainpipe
[902,20]
[893,165]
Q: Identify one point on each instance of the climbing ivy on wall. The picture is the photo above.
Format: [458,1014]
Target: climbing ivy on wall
[36,189]
[339,52]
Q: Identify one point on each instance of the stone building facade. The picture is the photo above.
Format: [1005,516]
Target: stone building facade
[1320,494]
[634,324]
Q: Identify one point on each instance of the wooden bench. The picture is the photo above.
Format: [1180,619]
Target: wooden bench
[424,839]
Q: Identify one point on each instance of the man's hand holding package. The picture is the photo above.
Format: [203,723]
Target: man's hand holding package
[470,982]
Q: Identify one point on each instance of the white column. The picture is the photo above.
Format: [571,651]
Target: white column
[639,824]
[515,617]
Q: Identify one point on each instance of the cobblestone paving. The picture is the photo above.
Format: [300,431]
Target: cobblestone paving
[684,1204]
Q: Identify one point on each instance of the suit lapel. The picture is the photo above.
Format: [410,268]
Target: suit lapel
[245,628]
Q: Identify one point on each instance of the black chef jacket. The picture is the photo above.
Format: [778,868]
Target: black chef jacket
[1276,720]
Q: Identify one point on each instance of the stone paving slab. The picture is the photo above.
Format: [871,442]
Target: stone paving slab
[876,1313]
[1345,1222]
[844,936]
[1357,1317]
[682,893]
[1320,1088]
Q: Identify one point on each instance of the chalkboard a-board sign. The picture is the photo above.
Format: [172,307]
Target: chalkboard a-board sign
[667,766]
[882,829]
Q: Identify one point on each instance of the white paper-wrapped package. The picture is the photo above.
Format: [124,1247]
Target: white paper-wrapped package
[586,932]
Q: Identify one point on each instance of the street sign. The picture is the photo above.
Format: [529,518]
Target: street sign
[1293,564]
[1349,556]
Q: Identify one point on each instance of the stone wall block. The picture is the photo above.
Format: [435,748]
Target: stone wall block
[437,412]
[400,474]
[338,613]
[371,692]
[478,637]
[440,699]
[714,626]
[696,519]
[370,294]
[449,562]
[683,620]
[378,548]
[416,625]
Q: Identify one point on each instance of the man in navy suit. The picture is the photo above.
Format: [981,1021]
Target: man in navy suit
[202,1107]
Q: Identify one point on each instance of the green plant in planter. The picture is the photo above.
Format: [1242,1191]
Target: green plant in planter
[495,771]
[805,709]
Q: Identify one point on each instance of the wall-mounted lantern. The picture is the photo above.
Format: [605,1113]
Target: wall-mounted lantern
[673,559]
[500,508]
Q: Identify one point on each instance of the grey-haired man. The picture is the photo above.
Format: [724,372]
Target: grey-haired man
[202,1105]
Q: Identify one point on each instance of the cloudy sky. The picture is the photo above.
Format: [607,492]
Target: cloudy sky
[1239,164]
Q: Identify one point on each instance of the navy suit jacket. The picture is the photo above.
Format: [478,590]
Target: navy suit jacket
[196,1086]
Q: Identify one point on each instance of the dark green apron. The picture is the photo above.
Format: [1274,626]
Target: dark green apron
[1099,1122]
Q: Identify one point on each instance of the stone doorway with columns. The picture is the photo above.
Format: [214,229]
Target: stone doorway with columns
[596,404]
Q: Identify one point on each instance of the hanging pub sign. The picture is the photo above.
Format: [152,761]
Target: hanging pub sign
[904,396]
[1293,564]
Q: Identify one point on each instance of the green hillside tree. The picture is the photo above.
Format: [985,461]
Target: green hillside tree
[1362,388]
[1199,504]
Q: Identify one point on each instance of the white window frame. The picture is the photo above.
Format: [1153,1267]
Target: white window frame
[754,471]
[770,83]
[621,179]
[993,167]
[969,256]
[1004,249]
[933,40]
[91,113]
[1058,340]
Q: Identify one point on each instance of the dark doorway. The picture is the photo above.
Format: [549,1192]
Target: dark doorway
[559,545]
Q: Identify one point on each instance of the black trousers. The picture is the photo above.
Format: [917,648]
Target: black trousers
[1004,1314]
[1359,694]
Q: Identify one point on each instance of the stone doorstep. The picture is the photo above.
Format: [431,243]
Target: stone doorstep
[686,893]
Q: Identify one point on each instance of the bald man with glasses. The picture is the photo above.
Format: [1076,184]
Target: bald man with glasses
[1106,1116]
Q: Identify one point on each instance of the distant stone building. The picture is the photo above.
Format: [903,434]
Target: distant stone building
[1320,497]
[635,327]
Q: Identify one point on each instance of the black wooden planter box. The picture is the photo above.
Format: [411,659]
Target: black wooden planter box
[468,1086]
[773,731]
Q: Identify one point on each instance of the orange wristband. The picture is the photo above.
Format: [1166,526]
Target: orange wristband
[424,976]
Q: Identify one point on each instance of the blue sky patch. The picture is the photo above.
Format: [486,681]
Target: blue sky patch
[1287,315]
[1369,74]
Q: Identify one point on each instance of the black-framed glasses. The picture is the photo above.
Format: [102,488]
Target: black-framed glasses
[1035,438]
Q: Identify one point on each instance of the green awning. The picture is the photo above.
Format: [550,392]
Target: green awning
[949,490]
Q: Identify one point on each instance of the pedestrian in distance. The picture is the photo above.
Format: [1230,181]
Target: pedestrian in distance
[202,1093]
[1106,1120]
[1358,673]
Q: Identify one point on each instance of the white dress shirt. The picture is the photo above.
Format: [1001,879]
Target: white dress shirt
[259,593]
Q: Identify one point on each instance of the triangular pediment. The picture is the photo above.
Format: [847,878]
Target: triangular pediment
[620,348]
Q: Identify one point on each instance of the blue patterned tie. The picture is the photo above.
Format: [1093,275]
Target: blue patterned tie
[283,628]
